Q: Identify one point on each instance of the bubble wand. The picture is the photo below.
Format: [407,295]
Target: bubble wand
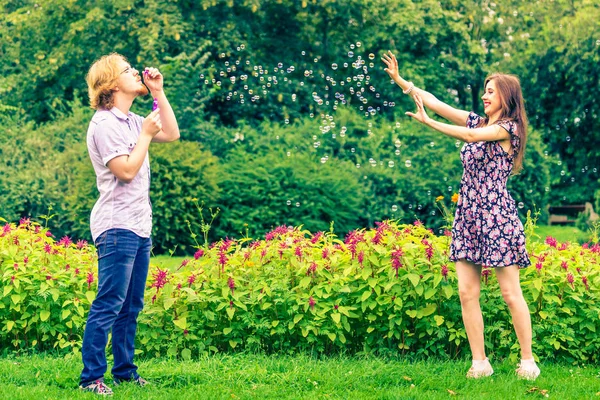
[155,102]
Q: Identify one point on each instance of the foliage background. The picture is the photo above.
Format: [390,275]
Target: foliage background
[250,159]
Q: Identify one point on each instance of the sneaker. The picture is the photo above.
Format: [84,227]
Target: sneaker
[139,381]
[480,369]
[97,387]
[528,369]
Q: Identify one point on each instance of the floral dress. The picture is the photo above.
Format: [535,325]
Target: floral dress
[487,230]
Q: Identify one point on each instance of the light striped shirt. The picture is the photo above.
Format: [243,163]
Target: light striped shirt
[121,205]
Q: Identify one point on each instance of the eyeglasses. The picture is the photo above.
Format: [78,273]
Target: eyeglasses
[128,70]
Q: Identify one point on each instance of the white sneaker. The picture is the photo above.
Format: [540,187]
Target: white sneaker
[480,369]
[528,369]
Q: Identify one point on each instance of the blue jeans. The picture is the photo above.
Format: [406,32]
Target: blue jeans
[123,260]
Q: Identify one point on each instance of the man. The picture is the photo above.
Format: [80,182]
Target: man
[121,219]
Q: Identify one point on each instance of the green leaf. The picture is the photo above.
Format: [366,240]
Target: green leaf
[168,302]
[439,319]
[414,279]
[370,329]
[186,354]
[305,282]
[44,315]
[15,298]
[430,309]
[7,290]
[537,283]
[365,295]
[230,312]
[9,325]
[430,293]
[448,291]
[181,323]
[543,314]
[411,313]
[265,305]
[331,336]
[227,331]
[275,323]
[297,318]
[336,317]
[90,296]
[65,314]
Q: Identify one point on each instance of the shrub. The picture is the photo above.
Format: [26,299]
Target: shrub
[388,289]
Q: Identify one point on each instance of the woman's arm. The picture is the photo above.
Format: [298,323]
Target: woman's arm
[454,115]
[491,133]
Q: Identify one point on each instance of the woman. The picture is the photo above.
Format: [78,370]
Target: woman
[486,230]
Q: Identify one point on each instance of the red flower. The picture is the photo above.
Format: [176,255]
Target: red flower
[551,241]
[396,259]
[298,252]
[199,253]
[90,279]
[445,272]
[361,258]
[312,269]
[571,279]
[24,221]
[65,241]
[183,264]
[325,253]
[564,265]
[160,279]
[280,230]
[6,229]
[81,244]
[316,237]
[231,284]
[25,260]
[311,303]
[538,266]
[585,282]
[428,249]
[486,273]
[48,248]
[191,279]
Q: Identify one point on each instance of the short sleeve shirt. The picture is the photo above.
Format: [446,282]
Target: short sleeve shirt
[122,205]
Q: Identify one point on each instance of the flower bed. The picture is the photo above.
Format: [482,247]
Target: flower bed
[384,290]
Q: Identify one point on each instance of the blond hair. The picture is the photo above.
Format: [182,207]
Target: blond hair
[102,80]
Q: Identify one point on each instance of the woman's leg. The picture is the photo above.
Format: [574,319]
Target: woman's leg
[469,285]
[510,285]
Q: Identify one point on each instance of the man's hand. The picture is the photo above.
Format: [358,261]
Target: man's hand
[153,79]
[152,125]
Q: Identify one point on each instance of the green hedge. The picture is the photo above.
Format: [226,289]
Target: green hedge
[389,289]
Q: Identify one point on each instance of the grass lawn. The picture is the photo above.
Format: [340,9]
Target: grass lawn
[246,376]
[561,233]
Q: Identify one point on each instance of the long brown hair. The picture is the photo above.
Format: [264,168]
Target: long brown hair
[513,109]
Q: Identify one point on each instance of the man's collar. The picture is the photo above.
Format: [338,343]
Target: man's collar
[119,114]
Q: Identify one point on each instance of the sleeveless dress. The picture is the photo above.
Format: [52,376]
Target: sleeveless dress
[487,229]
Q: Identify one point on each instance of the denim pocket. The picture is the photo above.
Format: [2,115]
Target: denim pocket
[106,243]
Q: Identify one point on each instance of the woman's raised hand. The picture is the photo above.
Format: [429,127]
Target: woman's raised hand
[390,61]
[421,114]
